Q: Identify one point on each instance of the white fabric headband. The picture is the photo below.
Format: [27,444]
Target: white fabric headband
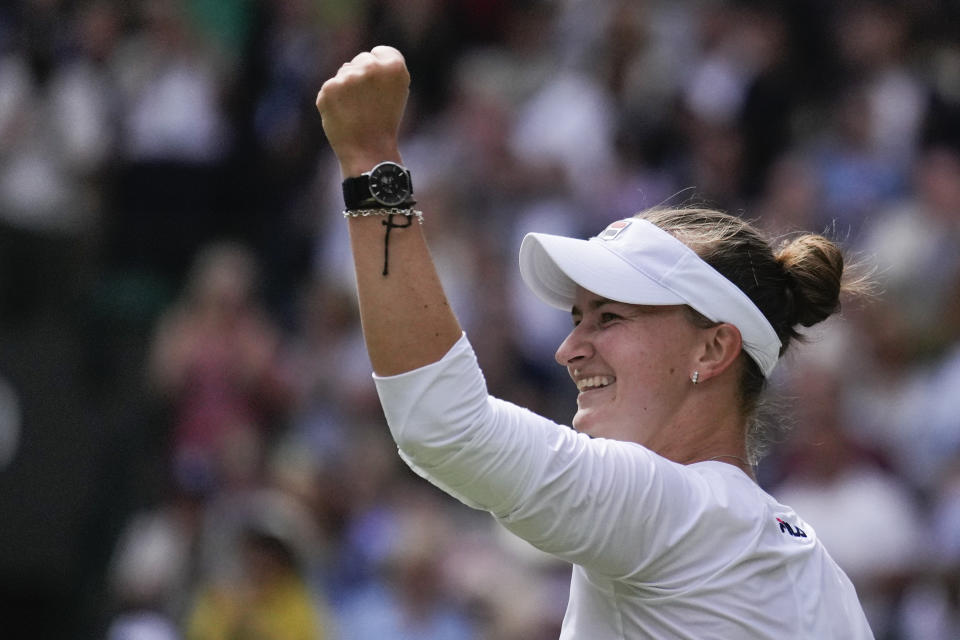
[637,262]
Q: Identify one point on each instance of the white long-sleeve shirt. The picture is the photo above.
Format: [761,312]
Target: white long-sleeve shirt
[660,549]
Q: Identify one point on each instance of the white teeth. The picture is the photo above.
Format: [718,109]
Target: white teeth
[594,382]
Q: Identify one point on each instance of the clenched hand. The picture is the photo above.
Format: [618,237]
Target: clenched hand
[361,107]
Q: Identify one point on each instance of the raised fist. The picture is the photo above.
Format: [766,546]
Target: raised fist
[361,107]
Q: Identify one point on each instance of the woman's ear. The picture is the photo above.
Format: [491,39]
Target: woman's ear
[722,346]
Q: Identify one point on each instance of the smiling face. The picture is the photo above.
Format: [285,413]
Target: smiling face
[632,366]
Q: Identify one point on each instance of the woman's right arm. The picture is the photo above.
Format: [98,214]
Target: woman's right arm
[608,505]
[586,501]
[407,321]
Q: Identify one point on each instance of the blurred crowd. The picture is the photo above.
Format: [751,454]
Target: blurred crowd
[191,446]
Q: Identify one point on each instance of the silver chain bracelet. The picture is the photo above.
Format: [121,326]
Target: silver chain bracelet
[363,213]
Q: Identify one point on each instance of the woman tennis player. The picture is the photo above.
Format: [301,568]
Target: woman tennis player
[679,317]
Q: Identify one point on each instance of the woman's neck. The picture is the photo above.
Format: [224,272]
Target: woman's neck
[710,426]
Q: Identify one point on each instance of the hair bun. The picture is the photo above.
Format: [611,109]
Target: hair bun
[814,268]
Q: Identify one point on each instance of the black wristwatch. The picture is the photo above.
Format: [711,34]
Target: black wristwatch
[387,185]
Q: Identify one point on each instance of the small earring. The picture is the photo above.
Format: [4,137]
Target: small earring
[695,378]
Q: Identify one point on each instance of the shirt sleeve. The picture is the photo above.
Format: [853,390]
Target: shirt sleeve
[595,502]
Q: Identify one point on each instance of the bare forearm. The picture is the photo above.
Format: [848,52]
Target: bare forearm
[407,320]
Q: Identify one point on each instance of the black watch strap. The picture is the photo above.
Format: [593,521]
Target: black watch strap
[357,193]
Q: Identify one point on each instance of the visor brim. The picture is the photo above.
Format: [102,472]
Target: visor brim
[553,266]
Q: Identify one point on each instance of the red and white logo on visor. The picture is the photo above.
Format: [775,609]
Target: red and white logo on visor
[614,230]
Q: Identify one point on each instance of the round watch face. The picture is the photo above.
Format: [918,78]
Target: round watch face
[389,184]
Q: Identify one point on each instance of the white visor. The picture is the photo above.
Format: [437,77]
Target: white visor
[637,262]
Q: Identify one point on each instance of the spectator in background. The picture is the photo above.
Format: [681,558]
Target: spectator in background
[56,141]
[214,358]
[904,400]
[175,143]
[323,369]
[267,595]
[410,599]
[917,239]
[877,113]
[150,573]
[872,39]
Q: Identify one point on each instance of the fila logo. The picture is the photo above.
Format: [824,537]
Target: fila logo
[614,229]
[796,532]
